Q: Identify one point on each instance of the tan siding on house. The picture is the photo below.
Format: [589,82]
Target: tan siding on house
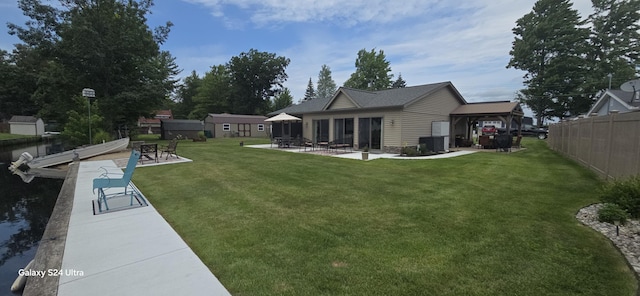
[390,132]
[408,124]
[417,117]
[341,102]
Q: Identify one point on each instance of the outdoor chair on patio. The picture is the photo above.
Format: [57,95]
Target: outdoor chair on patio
[307,143]
[170,149]
[135,145]
[341,144]
[124,181]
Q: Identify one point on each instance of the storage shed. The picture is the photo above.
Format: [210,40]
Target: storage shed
[26,125]
[236,125]
[180,129]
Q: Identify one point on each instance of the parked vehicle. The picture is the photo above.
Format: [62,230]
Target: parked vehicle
[527,131]
[489,130]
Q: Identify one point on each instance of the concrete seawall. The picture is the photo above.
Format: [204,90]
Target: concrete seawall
[51,248]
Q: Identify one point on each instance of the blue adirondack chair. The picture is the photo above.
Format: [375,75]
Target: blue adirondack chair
[105,182]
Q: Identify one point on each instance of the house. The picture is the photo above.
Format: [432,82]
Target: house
[152,125]
[387,120]
[234,125]
[615,100]
[180,129]
[26,125]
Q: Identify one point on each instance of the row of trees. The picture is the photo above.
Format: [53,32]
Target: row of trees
[568,60]
[105,45]
[244,85]
[372,73]
[220,89]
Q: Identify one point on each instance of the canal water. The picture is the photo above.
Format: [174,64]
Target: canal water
[25,209]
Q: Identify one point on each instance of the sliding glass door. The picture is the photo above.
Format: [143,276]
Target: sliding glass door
[343,130]
[370,132]
[321,130]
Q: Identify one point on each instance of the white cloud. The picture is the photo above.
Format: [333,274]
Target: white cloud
[427,41]
[346,12]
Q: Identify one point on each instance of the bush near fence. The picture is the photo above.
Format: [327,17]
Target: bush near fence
[609,145]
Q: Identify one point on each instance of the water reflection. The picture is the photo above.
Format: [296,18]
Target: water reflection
[24,213]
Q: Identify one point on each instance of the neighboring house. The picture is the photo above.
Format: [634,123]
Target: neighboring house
[152,125]
[180,129]
[234,125]
[388,120]
[615,100]
[26,125]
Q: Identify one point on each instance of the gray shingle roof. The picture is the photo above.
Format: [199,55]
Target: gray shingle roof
[626,97]
[19,118]
[235,118]
[396,97]
[182,125]
[488,108]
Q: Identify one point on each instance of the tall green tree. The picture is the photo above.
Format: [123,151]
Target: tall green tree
[309,94]
[550,44]
[614,43]
[101,44]
[187,90]
[372,71]
[283,99]
[76,129]
[399,83]
[16,86]
[326,86]
[255,78]
[214,93]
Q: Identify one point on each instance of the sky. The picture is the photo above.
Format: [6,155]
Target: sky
[427,41]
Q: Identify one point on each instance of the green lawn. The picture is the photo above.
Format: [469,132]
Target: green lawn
[4,136]
[269,222]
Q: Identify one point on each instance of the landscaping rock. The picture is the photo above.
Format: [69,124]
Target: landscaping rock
[628,239]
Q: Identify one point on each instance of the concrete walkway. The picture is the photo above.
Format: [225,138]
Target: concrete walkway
[128,252]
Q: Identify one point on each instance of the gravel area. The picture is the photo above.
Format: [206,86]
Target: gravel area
[627,240]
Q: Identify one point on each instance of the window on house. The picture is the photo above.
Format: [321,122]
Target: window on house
[261,127]
[226,127]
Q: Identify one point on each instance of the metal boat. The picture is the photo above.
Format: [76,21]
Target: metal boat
[71,155]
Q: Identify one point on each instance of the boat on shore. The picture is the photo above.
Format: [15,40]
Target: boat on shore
[71,155]
[21,280]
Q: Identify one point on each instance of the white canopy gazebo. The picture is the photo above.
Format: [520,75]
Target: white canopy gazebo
[283,118]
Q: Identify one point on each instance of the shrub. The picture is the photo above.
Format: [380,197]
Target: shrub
[101,136]
[612,212]
[424,151]
[625,194]
[410,151]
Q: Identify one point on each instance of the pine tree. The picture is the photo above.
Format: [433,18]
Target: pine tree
[614,43]
[549,46]
[326,86]
[310,93]
[399,83]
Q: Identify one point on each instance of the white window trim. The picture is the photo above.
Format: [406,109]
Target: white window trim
[226,127]
[261,127]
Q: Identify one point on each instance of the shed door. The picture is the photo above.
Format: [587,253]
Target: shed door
[244,130]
